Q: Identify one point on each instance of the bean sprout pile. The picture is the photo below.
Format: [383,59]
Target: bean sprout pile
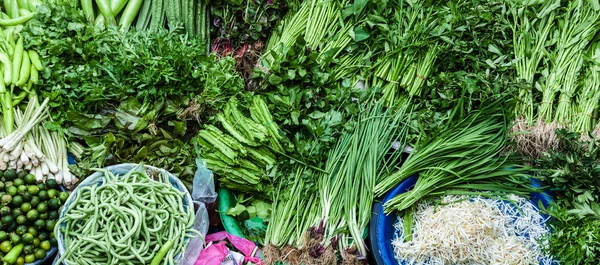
[125,220]
[469,231]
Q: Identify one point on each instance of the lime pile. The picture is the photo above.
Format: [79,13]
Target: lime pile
[29,212]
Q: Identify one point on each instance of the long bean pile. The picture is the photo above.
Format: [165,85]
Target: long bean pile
[125,220]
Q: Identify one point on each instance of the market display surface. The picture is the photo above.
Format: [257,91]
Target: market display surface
[286,129]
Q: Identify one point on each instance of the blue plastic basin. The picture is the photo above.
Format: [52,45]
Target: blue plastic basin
[382,229]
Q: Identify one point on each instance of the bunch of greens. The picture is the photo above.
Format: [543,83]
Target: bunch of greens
[574,240]
[573,169]
[466,158]
[572,174]
[134,96]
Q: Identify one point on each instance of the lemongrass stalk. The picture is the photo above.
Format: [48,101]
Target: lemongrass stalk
[28,167]
[52,166]
[24,158]
[8,143]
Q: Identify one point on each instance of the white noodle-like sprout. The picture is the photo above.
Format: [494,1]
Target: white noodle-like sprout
[473,231]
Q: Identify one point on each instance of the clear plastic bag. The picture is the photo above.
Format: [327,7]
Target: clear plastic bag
[204,192]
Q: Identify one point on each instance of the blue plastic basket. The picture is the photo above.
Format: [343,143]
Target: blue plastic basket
[121,169]
[382,226]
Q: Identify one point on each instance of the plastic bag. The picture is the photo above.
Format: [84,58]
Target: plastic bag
[203,182]
[203,192]
[216,253]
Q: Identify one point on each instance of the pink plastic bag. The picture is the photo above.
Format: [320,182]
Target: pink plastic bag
[214,254]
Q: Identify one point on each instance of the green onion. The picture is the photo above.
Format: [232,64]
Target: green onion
[465,156]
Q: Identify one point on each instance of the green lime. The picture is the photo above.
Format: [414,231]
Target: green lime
[1,173]
[5,210]
[10,174]
[21,219]
[22,174]
[12,227]
[27,196]
[2,185]
[30,258]
[7,220]
[6,199]
[27,238]
[53,215]
[39,224]
[18,182]
[50,225]
[36,242]
[51,183]
[35,201]
[14,238]
[42,207]
[33,189]
[12,190]
[21,189]
[63,196]
[22,229]
[25,207]
[53,241]
[53,204]
[29,179]
[42,186]
[40,253]
[52,193]
[5,246]
[3,236]
[28,249]
[20,261]
[32,231]
[17,201]
[7,184]
[44,236]
[44,216]
[43,195]
[45,245]
[17,211]
[32,215]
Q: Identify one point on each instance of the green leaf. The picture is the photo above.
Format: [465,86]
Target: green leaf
[359,34]
[274,79]
[359,5]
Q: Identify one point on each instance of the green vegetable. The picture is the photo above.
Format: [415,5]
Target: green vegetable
[158,258]
[25,71]
[140,218]
[5,246]
[129,14]
[13,254]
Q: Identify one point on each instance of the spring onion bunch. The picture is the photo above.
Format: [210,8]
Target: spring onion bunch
[465,159]
[353,168]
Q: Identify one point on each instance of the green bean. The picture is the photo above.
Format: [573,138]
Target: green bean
[125,220]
